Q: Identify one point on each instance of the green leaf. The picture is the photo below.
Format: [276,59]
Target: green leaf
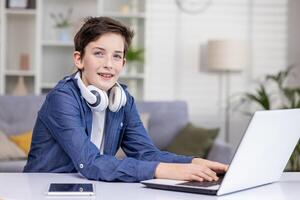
[280,77]
[292,95]
[135,55]
[260,97]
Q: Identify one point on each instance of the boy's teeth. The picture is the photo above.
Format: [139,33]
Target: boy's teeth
[106,75]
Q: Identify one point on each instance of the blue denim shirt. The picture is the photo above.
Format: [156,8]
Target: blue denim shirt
[61,140]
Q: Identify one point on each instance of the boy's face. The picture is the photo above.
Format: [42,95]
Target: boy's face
[102,62]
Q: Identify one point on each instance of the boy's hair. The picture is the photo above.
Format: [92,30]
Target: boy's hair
[95,27]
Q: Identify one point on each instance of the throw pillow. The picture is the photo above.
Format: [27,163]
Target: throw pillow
[8,150]
[23,141]
[193,141]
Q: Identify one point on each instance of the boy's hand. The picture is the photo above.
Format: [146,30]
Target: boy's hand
[217,167]
[198,170]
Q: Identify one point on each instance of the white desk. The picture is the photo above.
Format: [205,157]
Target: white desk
[33,186]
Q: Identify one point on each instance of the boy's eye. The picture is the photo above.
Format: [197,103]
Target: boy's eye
[117,56]
[99,53]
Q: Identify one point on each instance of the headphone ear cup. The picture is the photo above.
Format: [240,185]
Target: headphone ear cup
[115,99]
[124,98]
[95,98]
[102,99]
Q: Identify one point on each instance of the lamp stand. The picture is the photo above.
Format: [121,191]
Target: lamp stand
[225,103]
[227,106]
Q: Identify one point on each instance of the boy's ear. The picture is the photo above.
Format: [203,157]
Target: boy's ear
[77,60]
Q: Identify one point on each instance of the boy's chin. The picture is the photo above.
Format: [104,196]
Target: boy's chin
[105,87]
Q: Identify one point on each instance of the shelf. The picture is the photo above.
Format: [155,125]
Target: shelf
[20,11]
[121,15]
[53,43]
[31,31]
[19,73]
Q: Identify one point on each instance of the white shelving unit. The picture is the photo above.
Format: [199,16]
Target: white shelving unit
[31,31]
[18,36]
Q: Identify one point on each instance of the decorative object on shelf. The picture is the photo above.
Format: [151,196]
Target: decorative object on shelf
[17,3]
[24,61]
[193,6]
[226,57]
[130,7]
[20,88]
[134,58]
[31,4]
[63,25]
[283,97]
[124,9]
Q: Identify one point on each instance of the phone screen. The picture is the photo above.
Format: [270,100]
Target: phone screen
[71,189]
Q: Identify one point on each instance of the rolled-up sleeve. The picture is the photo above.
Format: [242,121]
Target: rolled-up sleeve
[65,121]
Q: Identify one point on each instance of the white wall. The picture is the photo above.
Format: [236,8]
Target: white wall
[175,43]
[294,31]
[161,47]
[293,37]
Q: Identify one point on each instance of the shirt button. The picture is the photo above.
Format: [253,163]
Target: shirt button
[81,166]
[121,124]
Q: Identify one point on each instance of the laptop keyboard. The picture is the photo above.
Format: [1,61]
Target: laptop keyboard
[203,184]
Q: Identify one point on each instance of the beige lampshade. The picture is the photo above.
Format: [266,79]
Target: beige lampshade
[226,55]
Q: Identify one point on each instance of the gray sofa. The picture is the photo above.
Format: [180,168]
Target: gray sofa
[18,114]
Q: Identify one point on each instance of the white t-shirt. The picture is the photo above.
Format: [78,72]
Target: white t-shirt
[98,123]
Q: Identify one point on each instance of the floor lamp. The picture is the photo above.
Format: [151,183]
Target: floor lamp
[226,57]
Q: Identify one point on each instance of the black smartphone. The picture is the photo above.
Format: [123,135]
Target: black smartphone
[71,189]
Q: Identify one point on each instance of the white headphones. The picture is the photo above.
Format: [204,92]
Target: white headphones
[98,100]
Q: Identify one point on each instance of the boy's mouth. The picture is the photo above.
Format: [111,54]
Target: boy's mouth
[105,75]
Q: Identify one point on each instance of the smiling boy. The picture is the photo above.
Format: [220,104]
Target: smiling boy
[73,134]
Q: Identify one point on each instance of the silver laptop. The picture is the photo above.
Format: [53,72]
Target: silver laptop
[260,158]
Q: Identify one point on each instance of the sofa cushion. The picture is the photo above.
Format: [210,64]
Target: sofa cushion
[193,141]
[166,119]
[18,114]
[23,140]
[220,152]
[8,150]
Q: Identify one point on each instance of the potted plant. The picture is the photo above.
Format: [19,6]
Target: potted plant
[62,24]
[284,97]
[135,57]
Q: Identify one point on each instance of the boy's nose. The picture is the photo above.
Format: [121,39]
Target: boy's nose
[108,63]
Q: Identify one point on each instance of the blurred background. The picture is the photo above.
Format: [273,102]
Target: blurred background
[224,58]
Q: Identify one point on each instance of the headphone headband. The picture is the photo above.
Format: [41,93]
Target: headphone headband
[89,97]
